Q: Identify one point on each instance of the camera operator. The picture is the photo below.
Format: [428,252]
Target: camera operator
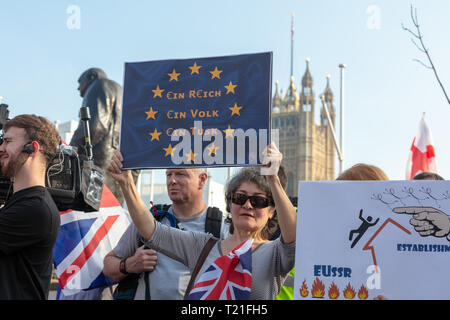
[29,221]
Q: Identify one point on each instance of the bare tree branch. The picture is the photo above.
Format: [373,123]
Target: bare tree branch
[423,49]
[426,66]
[414,17]
[417,46]
[406,29]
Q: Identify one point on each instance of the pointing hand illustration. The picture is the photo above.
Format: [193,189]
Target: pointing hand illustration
[427,221]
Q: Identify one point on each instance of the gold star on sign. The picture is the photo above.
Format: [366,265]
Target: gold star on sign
[228,132]
[215,73]
[195,68]
[169,150]
[151,114]
[157,92]
[235,109]
[174,75]
[191,156]
[212,149]
[155,135]
[230,87]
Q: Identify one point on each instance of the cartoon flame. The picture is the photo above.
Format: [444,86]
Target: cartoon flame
[363,293]
[318,289]
[349,292]
[304,289]
[333,291]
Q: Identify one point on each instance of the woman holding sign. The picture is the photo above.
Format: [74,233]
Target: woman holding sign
[243,266]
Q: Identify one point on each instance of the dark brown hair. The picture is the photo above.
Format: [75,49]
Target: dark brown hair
[38,129]
[427,176]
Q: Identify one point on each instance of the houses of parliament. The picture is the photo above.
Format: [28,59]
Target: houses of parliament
[307,147]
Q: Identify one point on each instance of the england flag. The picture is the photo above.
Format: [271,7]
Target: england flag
[422,157]
[228,278]
[83,241]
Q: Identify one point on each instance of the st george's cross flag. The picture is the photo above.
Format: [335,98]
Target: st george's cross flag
[83,241]
[201,112]
[422,157]
[228,278]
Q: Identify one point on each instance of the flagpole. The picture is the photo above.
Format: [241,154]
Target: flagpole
[341,119]
[330,124]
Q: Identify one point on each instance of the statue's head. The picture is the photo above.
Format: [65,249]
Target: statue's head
[89,76]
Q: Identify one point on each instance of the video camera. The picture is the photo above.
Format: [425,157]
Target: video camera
[72,179]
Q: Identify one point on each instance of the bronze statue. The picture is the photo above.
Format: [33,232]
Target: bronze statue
[104,99]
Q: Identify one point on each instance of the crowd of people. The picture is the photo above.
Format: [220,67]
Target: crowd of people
[167,249]
[251,200]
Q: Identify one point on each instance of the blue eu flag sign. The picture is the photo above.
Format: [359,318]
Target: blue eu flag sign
[205,112]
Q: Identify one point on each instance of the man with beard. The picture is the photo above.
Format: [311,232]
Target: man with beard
[29,221]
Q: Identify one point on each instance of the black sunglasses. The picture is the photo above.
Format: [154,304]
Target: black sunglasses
[256,201]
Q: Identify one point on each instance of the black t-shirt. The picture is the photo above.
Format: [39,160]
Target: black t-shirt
[29,225]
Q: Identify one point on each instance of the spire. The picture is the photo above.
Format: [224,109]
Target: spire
[276,89]
[276,100]
[292,90]
[292,96]
[328,98]
[307,80]
[328,94]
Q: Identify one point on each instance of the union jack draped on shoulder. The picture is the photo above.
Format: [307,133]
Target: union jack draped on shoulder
[228,278]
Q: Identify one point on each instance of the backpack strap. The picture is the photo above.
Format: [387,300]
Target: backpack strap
[140,243]
[213,221]
[160,211]
[276,234]
[201,259]
[147,285]
[157,209]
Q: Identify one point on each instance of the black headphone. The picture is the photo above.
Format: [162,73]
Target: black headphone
[28,149]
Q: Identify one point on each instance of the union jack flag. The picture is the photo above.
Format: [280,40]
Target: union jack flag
[83,241]
[228,278]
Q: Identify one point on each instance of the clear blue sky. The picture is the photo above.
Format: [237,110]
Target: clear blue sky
[385,91]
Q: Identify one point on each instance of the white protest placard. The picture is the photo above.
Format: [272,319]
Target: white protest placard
[360,239]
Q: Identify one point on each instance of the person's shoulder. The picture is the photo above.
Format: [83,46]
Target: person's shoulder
[32,196]
[48,205]
[36,205]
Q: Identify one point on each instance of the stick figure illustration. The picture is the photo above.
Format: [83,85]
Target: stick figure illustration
[366,224]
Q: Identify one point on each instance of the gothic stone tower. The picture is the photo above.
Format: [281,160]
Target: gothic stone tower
[307,147]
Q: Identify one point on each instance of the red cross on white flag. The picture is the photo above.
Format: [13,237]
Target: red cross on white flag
[422,157]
